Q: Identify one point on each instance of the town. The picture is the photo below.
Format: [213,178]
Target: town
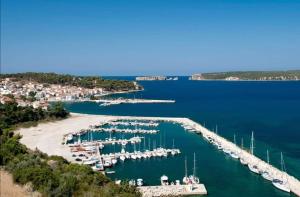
[31,93]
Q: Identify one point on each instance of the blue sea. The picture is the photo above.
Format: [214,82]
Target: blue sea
[270,109]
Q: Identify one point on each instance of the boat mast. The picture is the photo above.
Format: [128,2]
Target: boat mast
[144,143]
[234,139]
[242,143]
[252,143]
[185,165]
[268,159]
[173,144]
[216,129]
[194,170]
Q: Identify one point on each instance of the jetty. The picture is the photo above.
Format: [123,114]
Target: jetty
[107,102]
[172,190]
[247,157]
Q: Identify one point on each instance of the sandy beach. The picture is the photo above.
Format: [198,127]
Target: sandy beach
[48,137]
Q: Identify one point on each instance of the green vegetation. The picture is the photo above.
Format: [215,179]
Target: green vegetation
[11,114]
[50,175]
[79,81]
[255,75]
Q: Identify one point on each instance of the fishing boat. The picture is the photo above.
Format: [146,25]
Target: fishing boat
[139,182]
[164,180]
[266,174]
[282,182]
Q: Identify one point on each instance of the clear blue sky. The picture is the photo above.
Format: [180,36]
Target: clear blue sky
[136,37]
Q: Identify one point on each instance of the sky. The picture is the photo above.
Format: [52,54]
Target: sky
[149,37]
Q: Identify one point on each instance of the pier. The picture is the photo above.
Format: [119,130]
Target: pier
[107,102]
[172,190]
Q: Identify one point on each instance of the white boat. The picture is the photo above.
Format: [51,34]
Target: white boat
[233,155]
[192,179]
[110,172]
[185,179]
[122,158]
[266,174]
[253,168]
[164,180]
[227,151]
[243,161]
[132,182]
[282,182]
[139,182]
[114,161]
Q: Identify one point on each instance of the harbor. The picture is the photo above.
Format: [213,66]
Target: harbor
[189,125]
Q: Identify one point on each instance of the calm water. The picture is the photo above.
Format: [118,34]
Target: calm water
[270,109]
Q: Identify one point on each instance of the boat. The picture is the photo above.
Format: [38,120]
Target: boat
[164,180]
[253,167]
[185,179]
[192,179]
[282,182]
[122,158]
[243,161]
[110,172]
[227,151]
[233,155]
[132,182]
[265,174]
[139,182]
[114,161]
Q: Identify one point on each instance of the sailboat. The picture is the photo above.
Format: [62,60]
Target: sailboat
[282,183]
[253,167]
[173,152]
[192,179]
[266,174]
[185,179]
[233,154]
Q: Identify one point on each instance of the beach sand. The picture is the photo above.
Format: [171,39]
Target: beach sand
[48,137]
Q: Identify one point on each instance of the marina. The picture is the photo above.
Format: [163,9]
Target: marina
[216,140]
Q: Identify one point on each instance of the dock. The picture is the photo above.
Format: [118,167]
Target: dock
[172,190]
[107,102]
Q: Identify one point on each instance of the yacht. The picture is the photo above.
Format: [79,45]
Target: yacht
[233,155]
[266,174]
[164,180]
[122,158]
[282,182]
[192,179]
[243,161]
[253,167]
